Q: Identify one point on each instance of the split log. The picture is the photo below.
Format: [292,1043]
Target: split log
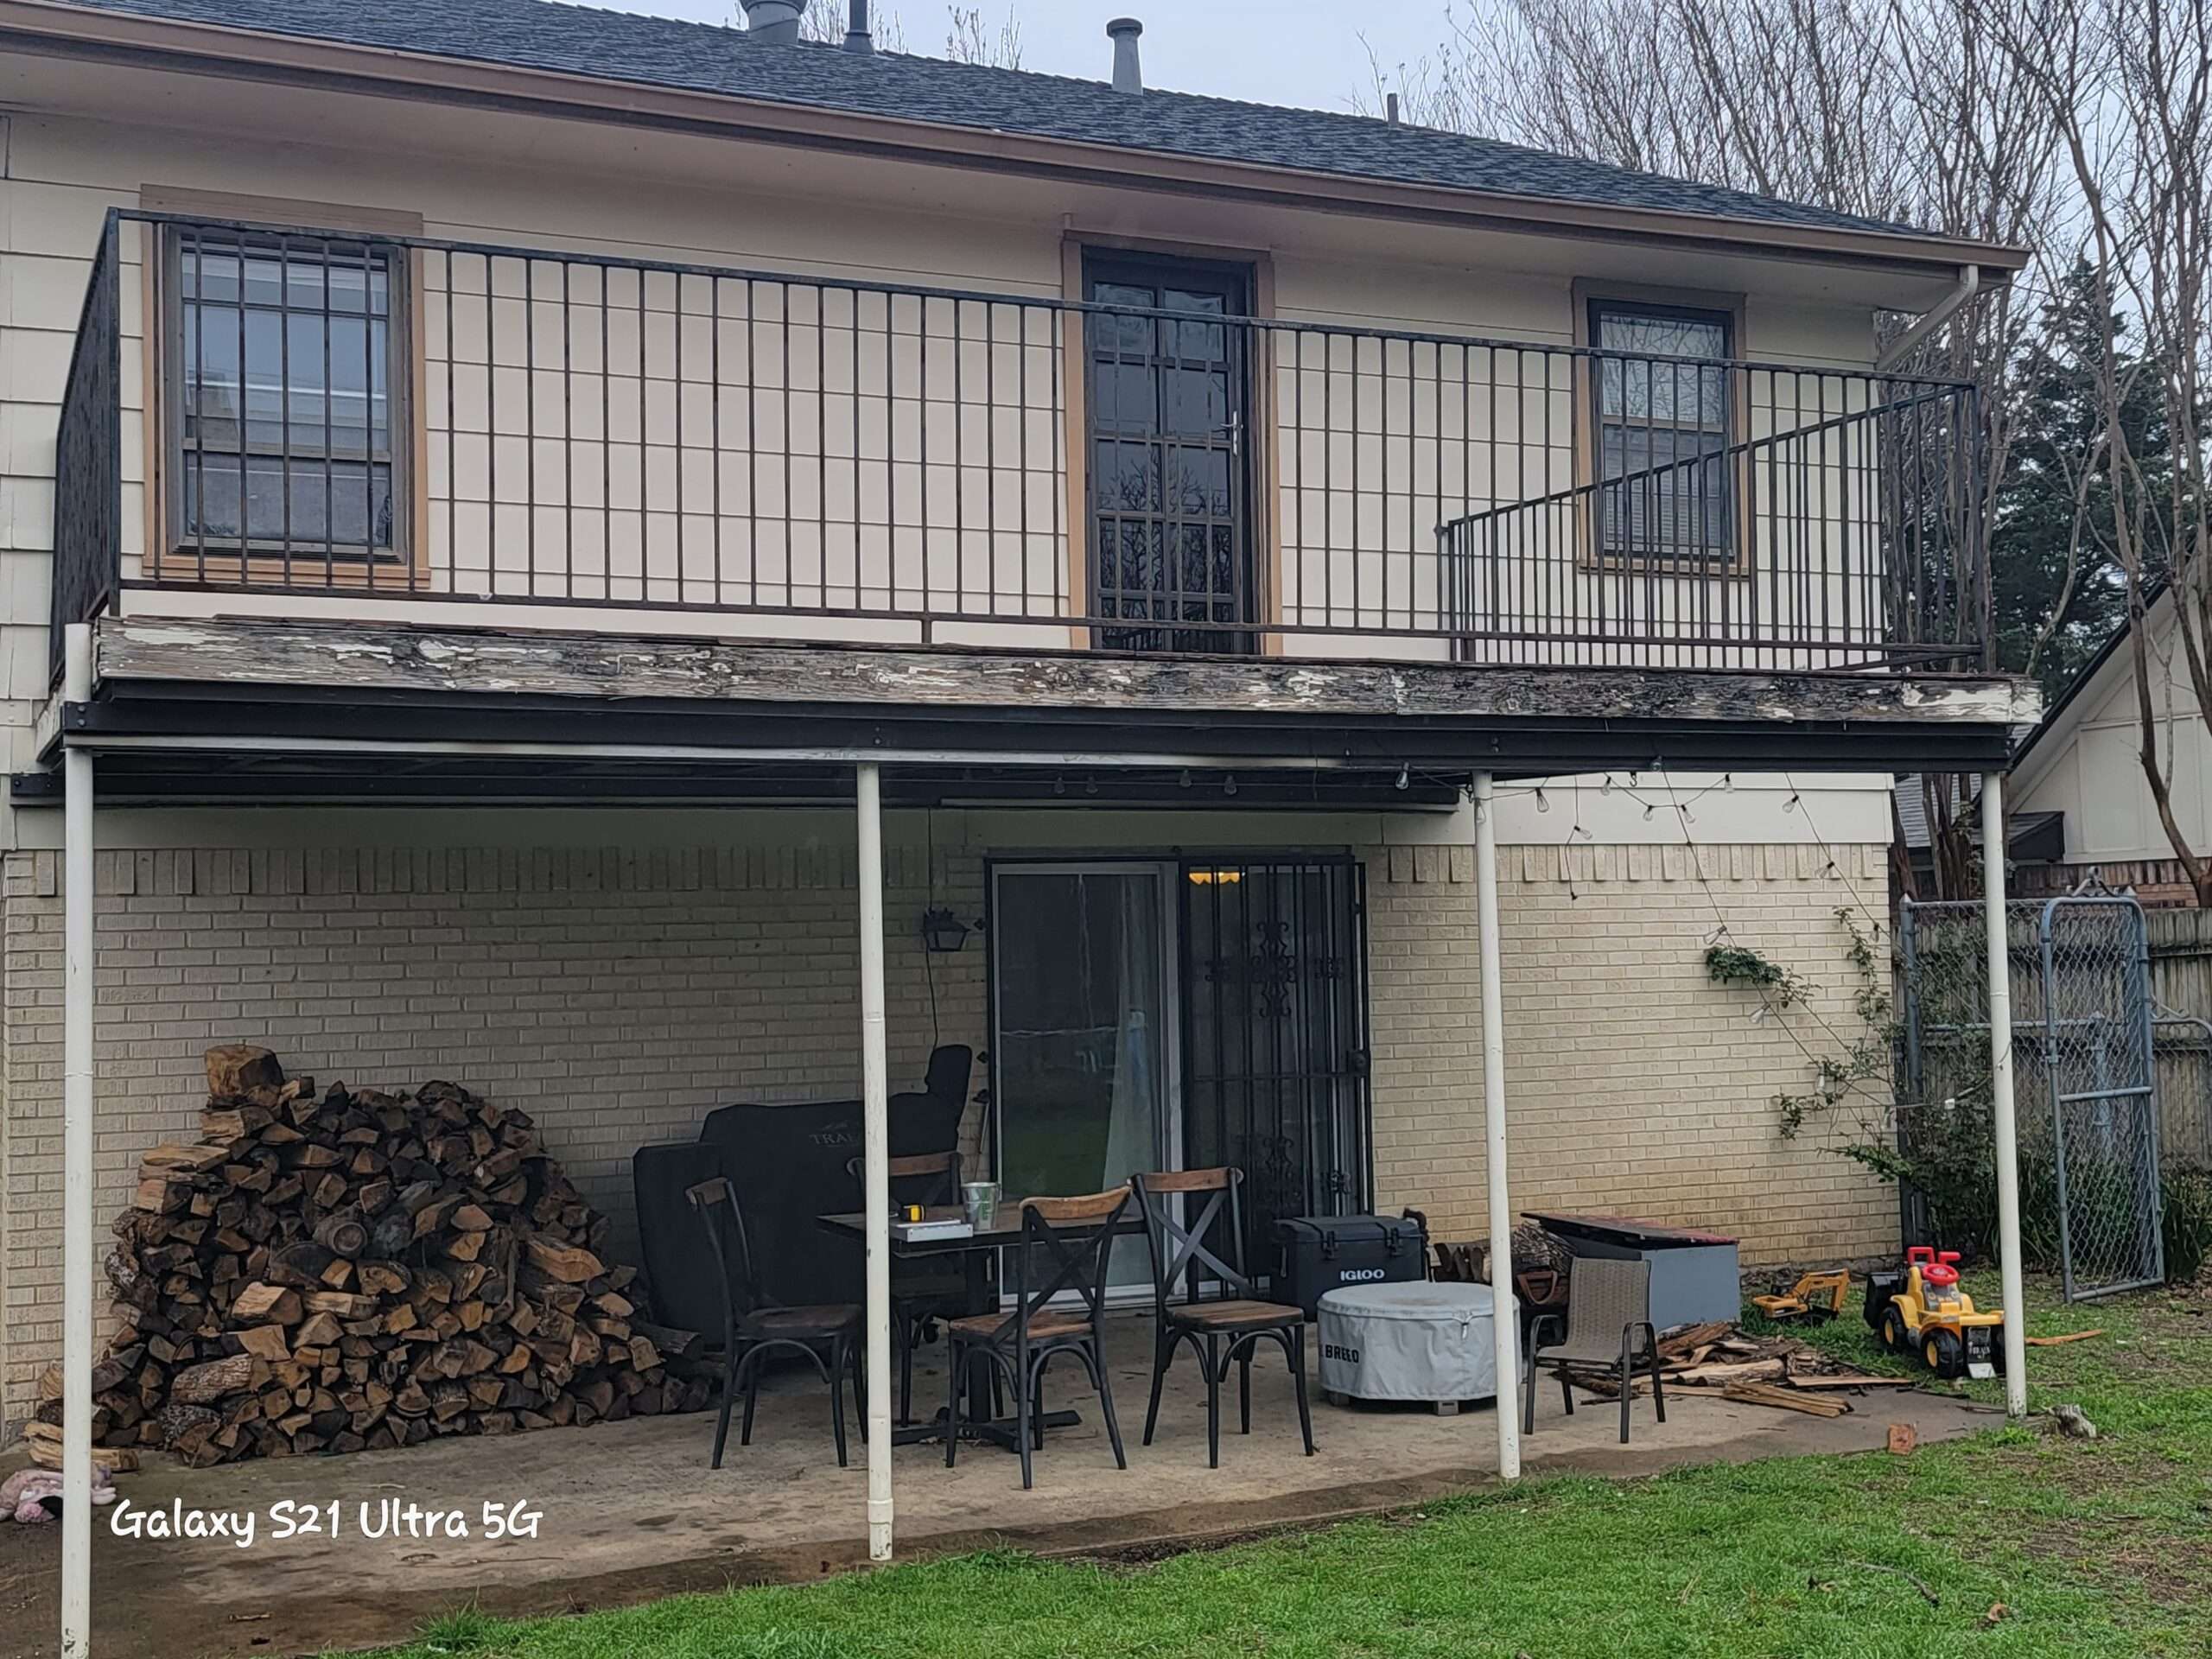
[566,1263]
[199,1385]
[237,1069]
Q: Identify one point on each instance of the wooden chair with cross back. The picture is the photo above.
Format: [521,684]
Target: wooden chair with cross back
[1227,1327]
[1066,1244]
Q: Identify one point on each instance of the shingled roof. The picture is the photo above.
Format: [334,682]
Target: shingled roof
[710,58]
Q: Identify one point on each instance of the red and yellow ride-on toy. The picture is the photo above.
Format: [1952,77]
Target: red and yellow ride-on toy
[1924,1311]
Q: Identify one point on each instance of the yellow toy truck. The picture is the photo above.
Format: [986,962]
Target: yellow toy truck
[1924,1311]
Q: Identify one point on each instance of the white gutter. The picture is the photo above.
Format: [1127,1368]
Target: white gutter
[1969,285]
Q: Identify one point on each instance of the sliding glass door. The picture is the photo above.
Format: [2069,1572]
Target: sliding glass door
[1084,1054]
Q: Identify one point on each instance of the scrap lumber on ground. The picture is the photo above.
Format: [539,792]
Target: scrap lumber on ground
[1778,1371]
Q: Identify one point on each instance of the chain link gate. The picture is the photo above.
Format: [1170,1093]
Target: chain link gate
[2084,1067]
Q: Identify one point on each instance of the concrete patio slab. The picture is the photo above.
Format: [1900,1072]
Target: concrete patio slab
[631,1511]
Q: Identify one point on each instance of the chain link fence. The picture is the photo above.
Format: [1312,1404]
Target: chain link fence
[2089,1071]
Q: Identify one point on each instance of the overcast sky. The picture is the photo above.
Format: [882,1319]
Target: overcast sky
[1301,51]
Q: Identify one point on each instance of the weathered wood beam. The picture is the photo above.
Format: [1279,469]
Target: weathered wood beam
[368,658]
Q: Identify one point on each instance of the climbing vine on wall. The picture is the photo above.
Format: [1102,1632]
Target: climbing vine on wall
[1847,1063]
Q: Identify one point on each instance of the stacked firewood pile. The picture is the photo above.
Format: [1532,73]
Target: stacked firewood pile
[362,1269]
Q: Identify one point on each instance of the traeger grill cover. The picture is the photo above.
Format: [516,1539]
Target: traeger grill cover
[788,1165]
[1323,1253]
[1409,1342]
[671,1243]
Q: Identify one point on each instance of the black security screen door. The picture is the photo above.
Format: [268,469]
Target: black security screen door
[1170,421]
[1274,1035]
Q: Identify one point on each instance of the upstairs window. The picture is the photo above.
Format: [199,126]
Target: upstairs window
[281,360]
[1664,422]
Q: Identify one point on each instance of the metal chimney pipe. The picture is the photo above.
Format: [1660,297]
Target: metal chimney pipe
[1128,77]
[1389,103]
[857,38]
[774,21]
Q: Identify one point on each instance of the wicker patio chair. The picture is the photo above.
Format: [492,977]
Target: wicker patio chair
[1608,1304]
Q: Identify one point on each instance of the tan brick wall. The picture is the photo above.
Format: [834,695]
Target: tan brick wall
[619,994]
[1634,1083]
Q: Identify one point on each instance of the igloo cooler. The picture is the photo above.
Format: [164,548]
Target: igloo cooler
[1430,1343]
[1324,1253]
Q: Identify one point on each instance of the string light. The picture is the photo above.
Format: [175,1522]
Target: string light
[1606,788]
[1542,805]
[1059,785]
[1229,785]
[1404,778]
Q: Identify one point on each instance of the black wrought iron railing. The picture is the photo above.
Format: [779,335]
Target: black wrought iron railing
[88,458]
[454,425]
[1848,530]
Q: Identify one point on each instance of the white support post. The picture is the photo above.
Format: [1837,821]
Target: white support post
[76,996]
[1506,1325]
[875,1117]
[2001,1095]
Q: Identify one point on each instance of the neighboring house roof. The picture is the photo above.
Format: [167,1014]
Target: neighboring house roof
[2030,757]
[711,58]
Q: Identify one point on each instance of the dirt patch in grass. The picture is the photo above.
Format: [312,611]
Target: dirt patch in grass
[2170,1576]
[1151,1552]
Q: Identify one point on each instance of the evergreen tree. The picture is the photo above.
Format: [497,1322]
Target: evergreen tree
[2057,421]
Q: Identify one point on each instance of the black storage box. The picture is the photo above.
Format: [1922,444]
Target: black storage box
[1322,1252]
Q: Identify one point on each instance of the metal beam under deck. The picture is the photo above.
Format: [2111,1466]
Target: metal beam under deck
[330,712]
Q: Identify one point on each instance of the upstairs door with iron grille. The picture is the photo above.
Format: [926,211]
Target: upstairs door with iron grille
[1274,1036]
[1169,495]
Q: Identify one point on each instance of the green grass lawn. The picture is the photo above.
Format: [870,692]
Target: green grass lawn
[2090,1549]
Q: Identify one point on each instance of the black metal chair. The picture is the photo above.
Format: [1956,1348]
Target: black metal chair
[1608,1303]
[754,1328]
[1020,1342]
[1235,1321]
[924,1294]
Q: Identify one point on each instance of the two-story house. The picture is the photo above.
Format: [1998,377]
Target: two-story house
[517,477]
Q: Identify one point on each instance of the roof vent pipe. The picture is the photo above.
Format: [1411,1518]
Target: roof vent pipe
[1390,106]
[857,38]
[774,21]
[1127,76]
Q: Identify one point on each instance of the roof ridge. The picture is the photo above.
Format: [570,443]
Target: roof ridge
[583,38]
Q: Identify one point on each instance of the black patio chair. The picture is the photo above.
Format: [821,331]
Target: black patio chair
[1020,1342]
[1226,1328]
[753,1328]
[924,1294]
[1608,1302]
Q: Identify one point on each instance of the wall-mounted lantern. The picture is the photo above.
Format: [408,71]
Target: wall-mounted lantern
[943,932]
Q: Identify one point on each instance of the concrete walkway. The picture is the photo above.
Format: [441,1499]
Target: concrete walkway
[631,1511]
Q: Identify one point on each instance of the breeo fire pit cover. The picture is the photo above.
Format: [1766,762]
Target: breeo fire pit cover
[1425,1341]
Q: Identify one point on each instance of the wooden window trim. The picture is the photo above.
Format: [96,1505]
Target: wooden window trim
[1266,461]
[407,569]
[1589,298]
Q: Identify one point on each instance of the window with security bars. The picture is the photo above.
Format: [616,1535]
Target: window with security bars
[282,365]
[1664,422]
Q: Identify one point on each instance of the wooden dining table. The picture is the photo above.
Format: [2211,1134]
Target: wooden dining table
[976,1250]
